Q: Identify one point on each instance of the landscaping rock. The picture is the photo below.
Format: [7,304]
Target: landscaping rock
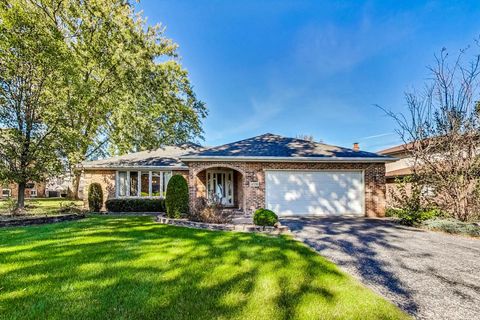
[22,221]
[222,227]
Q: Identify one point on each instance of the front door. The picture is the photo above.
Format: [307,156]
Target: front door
[220,186]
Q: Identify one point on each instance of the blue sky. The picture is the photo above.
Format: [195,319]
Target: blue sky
[310,67]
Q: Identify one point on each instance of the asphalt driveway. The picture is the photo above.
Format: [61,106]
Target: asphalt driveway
[430,275]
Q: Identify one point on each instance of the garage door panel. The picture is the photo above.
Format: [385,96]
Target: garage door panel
[315,193]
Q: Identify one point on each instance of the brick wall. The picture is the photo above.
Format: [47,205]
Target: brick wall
[106,178]
[254,197]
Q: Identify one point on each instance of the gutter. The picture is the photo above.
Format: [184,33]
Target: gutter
[136,168]
[288,159]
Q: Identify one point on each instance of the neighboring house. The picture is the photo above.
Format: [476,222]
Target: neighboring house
[290,176]
[398,169]
[60,186]
[32,190]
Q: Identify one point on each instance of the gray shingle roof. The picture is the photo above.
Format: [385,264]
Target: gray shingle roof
[271,146]
[167,156]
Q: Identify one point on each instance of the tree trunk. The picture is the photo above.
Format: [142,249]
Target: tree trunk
[76,184]
[21,196]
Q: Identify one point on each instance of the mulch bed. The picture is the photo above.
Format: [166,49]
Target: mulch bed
[32,220]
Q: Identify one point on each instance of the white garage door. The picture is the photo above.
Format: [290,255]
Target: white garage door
[303,193]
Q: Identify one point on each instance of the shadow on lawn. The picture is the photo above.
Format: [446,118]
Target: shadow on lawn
[133,268]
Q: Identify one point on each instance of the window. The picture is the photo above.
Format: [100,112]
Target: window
[133,183]
[29,185]
[166,178]
[33,193]
[122,183]
[156,192]
[6,193]
[145,184]
[142,183]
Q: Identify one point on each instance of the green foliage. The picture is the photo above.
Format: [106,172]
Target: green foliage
[34,61]
[176,200]
[95,197]
[83,78]
[409,204]
[11,205]
[453,226]
[135,205]
[265,217]
[411,218]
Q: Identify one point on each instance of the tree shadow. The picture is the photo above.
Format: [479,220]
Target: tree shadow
[352,243]
[131,267]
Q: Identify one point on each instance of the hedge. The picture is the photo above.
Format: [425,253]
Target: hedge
[136,205]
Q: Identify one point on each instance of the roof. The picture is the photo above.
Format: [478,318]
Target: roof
[401,148]
[271,147]
[165,157]
[399,172]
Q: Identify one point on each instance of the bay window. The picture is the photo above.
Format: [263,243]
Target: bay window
[141,183]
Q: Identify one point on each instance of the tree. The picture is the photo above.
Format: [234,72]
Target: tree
[441,133]
[122,98]
[86,78]
[33,63]
[307,137]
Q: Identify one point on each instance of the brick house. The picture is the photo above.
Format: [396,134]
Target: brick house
[400,168]
[32,190]
[290,176]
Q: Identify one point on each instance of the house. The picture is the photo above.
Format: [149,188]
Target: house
[287,175]
[398,169]
[32,190]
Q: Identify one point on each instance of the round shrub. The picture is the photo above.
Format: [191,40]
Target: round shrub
[265,217]
[95,197]
[176,200]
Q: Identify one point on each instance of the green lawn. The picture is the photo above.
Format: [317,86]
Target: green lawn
[45,206]
[107,267]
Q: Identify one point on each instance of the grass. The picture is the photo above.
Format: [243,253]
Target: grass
[133,268]
[41,206]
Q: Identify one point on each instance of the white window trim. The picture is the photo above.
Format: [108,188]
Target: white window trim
[9,192]
[33,193]
[139,187]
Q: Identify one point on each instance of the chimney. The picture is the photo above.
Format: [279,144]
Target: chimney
[356,146]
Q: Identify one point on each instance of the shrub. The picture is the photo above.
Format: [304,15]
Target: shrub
[135,205]
[411,218]
[410,206]
[69,207]
[453,226]
[176,200]
[95,197]
[265,217]
[12,206]
[209,211]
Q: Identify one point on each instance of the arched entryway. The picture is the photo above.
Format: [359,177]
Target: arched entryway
[222,183]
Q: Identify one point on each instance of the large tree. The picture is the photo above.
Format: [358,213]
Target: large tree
[130,92]
[441,131]
[124,88]
[33,64]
